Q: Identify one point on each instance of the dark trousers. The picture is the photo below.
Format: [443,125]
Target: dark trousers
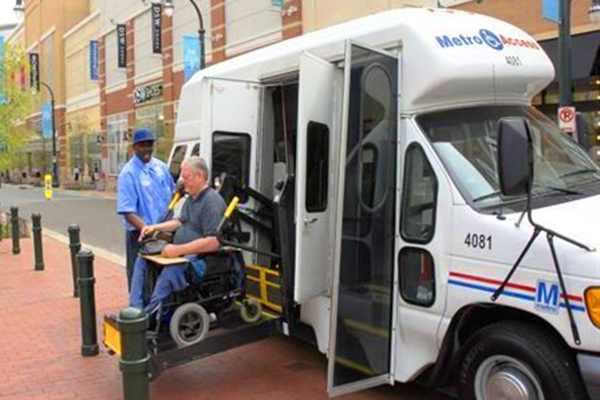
[132,248]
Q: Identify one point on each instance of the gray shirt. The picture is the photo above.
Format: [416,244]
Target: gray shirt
[200,217]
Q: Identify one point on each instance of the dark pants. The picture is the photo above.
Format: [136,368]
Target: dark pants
[132,248]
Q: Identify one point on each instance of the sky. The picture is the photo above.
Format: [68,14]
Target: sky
[6,11]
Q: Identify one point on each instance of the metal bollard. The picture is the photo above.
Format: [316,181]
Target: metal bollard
[36,229]
[75,246]
[135,360]
[14,218]
[87,301]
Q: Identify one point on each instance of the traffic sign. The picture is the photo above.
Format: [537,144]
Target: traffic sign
[566,119]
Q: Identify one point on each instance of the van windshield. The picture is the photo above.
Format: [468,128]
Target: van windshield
[466,142]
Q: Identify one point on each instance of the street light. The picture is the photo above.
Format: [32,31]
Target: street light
[564,48]
[168,5]
[55,182]
[594,12]
[19,10]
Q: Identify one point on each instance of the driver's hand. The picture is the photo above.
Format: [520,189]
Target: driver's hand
[146,231]
[170,251]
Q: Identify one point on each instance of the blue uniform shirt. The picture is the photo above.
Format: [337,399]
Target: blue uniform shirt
[144,189]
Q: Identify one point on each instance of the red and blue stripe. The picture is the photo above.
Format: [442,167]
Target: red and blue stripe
[515,290]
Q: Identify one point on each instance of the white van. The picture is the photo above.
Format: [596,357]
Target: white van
[389,125]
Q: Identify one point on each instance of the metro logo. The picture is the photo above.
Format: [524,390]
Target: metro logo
[546,298]
[496,42]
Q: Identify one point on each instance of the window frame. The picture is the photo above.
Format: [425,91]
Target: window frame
[417,146]
[323,206]
[400,277]
[212,158]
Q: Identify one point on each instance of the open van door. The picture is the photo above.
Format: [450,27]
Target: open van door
[234,121]
[362,312]
[313,155]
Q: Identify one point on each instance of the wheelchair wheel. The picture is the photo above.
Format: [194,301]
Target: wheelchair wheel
[251,311]
[189,324]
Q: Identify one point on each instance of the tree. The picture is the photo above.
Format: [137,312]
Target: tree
[16,103]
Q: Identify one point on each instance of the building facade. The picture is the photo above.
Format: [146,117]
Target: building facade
[44,26]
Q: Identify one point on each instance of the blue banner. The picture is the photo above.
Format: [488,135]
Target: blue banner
[47,120]
[276,3]
[191,56]
[94,60]
[551,10]
[2,77]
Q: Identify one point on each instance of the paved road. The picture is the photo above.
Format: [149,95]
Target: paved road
[96,216]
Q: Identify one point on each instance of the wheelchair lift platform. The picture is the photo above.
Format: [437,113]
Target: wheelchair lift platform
[164,354]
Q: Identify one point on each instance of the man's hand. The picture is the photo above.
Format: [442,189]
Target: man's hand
[147,231]
[171,251]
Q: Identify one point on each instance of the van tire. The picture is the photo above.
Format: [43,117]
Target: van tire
[505,352]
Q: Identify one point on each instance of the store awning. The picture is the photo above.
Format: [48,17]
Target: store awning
[585,57]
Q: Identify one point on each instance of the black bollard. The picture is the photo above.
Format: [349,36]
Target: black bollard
[135,360]
[87,301]
[36,229]
[75,245]
[14,219]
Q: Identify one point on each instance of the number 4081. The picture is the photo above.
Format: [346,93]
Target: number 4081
[478,241]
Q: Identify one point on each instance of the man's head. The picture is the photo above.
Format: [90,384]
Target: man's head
[194,173]
[143,143]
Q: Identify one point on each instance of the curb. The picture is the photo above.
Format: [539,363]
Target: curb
[98,252]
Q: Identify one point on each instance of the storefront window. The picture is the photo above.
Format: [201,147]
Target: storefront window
[117,143]
[151,116]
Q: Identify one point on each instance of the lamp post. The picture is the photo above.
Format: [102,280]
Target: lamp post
[168,4]
[55,182]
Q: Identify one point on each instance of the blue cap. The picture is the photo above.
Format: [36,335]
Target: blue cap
[143,135]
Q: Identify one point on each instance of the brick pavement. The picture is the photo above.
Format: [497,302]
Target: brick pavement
[40,341]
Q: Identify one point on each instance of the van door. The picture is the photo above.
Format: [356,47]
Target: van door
[231,147]
[313,155]
[362,301]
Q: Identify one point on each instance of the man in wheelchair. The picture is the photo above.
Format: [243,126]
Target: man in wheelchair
[195,234]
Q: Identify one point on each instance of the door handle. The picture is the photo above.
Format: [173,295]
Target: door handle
[308,221]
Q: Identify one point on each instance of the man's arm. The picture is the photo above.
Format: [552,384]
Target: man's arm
[135,221]
[168,226]
[208,244]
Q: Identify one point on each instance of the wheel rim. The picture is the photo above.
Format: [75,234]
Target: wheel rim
[190,326]
[506,378]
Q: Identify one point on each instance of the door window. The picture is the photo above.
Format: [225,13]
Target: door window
[366,265]
[231,156]
[420,197]
[317,167]
[417,278]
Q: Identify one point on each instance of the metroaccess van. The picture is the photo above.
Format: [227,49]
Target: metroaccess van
[401,147]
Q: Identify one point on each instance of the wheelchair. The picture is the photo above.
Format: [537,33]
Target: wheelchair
[189,314]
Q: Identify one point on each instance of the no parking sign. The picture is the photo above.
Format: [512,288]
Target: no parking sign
[566,119]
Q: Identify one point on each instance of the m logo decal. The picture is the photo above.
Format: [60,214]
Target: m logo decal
[547,297]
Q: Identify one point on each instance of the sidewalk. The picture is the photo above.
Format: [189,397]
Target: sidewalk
[40,342]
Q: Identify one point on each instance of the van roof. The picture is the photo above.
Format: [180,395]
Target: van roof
[450,58]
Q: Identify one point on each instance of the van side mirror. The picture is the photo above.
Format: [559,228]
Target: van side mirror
[515,156]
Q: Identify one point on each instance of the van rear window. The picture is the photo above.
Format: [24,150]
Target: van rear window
[231,157]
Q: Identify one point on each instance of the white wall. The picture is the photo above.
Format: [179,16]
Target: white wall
[251,24]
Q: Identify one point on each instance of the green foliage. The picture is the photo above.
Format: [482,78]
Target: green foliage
[13,112]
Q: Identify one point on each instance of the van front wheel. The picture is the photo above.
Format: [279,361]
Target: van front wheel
[518,361]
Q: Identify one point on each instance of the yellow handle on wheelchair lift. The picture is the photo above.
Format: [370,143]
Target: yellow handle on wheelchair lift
[232,206]
[176,198]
